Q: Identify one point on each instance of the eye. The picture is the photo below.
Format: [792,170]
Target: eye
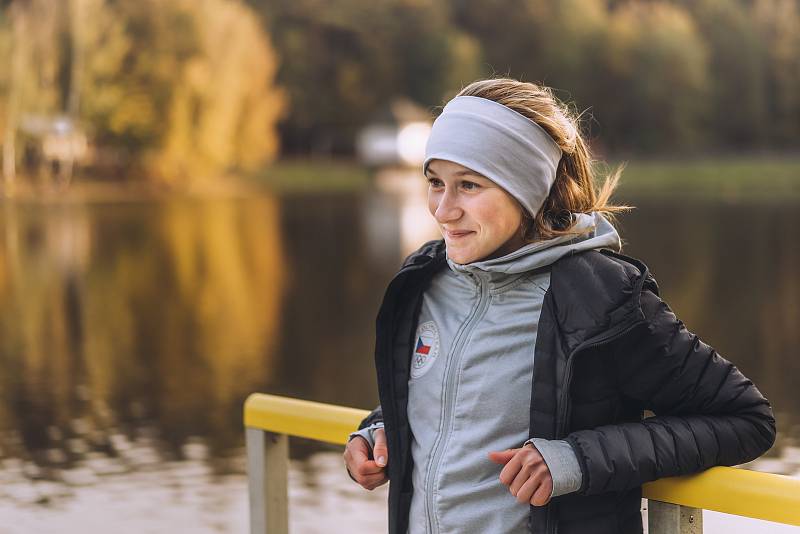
[435,182]
[470,186]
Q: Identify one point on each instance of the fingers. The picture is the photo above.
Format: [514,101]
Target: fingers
[542,494]
[367,473]
[527,476]
[380,452]
[357,459]
[368,468]
[357,450]
[527,490]
[371,482]
[502,457]
[511,468]
[523,475]
[532,486]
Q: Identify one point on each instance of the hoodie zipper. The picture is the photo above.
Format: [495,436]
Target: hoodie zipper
[449,394]
[564,404]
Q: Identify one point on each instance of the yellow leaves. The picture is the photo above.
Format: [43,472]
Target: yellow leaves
[224,108]
[185,87]
[133,111]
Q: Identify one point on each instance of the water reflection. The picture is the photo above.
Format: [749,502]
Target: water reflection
[131,333]
[121,318]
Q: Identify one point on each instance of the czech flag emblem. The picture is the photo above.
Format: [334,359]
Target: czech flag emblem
[422,348]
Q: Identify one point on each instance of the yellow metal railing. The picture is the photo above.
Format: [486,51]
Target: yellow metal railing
[722,489]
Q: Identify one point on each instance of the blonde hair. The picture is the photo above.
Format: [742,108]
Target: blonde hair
[574,188]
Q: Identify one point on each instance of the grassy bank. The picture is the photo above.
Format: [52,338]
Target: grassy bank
[723,176]
[307,176]
[730,176]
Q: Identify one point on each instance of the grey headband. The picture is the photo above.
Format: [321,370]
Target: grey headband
[491,139]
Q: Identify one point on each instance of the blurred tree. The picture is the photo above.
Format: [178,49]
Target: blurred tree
[656,79]
[778,24]
[30,83]
[344,61]
[224,111]
[152,83]
[159,85]
[164,100]
[737,72]
[557,43]
[547,41]
[514,47]
[8,101]
[640,67]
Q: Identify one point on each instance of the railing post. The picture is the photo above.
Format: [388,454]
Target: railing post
[267,474]
[666,518]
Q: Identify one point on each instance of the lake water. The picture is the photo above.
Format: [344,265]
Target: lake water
[132,332]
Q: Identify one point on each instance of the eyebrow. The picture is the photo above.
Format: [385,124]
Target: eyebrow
[466,172]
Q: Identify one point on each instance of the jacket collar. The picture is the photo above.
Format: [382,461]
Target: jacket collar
[432,250]
[596,296]
[596,293]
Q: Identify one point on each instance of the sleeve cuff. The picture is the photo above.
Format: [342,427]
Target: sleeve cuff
[368,433]
[562,463]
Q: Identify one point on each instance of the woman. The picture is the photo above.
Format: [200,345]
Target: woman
[516,358]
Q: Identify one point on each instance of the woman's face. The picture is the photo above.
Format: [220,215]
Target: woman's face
[477,218]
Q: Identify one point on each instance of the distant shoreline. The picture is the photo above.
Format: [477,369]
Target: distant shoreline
[723,176]
[726,177]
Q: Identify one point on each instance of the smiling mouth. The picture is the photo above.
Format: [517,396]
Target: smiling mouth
[457,234]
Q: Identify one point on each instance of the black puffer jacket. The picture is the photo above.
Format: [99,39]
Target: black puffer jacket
[608,348]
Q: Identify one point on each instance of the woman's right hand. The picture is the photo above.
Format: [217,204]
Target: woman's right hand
[368,473]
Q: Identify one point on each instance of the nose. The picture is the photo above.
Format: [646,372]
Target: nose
[447,207]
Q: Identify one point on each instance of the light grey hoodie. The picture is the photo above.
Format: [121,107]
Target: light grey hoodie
[470,386]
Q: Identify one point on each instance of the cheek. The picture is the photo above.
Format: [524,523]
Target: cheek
[502,219]
[433,202]
[494,220]
[513,222]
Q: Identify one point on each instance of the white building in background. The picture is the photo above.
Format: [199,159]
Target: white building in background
[52,143]
[394,145]
[396,138]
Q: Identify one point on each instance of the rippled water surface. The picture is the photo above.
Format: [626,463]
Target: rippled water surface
[132,332]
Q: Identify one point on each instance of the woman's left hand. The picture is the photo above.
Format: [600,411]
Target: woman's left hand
[526,474]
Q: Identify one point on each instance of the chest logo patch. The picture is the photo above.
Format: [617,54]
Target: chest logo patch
[426,349]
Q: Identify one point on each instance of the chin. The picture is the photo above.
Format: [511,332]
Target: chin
[462,257]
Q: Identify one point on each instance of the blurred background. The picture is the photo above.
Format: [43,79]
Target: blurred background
[205,198]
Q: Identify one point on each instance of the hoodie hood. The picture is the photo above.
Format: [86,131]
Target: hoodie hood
[594,232]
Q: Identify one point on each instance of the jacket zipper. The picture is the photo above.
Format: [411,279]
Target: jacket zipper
[565,406]
[392,418]
[565,401]
[448,402]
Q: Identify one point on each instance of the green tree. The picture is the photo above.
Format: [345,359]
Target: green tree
[149,80]
[224,109]
[345,61]
[778,25]
[737,72]
[548,41]
[159,85]
[639,68]
[656,79]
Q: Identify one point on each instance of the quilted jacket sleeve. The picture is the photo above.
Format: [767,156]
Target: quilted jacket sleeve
[375,416]
[368,425]
[707,413]
[365,429]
